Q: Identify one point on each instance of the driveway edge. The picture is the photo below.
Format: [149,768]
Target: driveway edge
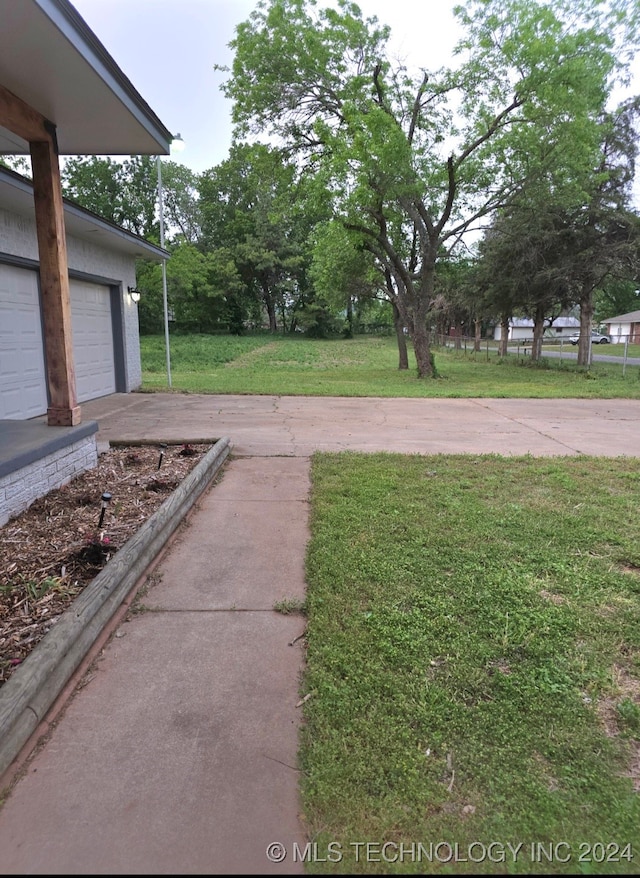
[36,683]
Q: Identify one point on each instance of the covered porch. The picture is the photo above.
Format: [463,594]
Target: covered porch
[61,93]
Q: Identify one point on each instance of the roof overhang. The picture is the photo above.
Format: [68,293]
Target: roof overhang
[16,196]
[51,60]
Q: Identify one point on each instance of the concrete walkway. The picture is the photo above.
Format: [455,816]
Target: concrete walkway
[177,753]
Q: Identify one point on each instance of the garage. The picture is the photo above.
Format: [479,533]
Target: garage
[23,391]
[103,339]
[92,339]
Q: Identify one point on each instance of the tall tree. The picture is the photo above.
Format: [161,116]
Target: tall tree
[606,231]
[554,253]
[255,205]
[181,203]
[343,275]
[124,192]
[528,255]
[414,161]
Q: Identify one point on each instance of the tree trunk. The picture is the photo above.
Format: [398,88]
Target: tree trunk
[586,318]
[478,334]
[349,330]
[421,301]
[538,332]
[422,351]
[269,303]
[413,302]
[271,311]
[504,335]
[420,339]
[403,356]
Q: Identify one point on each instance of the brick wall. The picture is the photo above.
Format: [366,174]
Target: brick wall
[20,488]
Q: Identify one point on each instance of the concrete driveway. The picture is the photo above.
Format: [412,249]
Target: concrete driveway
[272,425]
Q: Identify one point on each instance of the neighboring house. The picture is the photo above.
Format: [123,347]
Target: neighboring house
[68,327]
[521,329]
[624,327]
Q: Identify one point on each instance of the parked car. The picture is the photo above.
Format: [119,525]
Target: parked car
[596,338]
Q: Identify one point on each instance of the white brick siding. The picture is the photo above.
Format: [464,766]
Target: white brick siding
[19,489]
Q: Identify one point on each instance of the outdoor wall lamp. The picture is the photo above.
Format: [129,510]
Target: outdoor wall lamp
[135,294]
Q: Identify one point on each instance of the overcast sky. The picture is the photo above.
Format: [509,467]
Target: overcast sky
[168,50]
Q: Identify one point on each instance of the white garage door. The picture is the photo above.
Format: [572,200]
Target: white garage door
[22,378]
[92,340]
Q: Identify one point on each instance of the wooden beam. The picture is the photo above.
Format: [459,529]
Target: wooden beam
[63,410]
[23,120]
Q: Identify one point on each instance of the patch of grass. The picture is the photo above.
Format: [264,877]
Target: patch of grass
[36,589]
[368,367]
[190,353]
[474,649]
[290,606]
[629,712]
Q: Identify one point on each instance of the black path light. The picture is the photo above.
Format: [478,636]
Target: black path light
[163,447]
[106,498]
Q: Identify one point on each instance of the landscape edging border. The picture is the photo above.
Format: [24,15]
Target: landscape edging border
[34,686]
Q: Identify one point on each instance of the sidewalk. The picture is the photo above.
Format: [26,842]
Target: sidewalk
[177,754]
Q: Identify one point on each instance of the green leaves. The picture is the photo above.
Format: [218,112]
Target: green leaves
[123,192]
[293,65]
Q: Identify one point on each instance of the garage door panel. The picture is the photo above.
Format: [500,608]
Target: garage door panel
[23,391]
[92,340]
[22,374]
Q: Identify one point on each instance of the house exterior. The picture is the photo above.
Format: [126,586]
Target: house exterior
[521,329]
[104,318]
[68,327]
[624,327]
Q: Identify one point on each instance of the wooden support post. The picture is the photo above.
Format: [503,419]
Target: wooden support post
[30,125]
[63,410]
[21,118]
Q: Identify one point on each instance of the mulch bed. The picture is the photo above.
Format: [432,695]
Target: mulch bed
[56,547]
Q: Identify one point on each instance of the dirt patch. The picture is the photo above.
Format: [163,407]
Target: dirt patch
[619,714]
[629,567]
[556,599]
[54,549]
[627,689]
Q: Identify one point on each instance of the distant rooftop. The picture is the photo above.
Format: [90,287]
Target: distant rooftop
[631,317]
[525,322]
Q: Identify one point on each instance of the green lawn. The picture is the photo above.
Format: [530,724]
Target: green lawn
[471,692]
[474,665]
[366,366]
